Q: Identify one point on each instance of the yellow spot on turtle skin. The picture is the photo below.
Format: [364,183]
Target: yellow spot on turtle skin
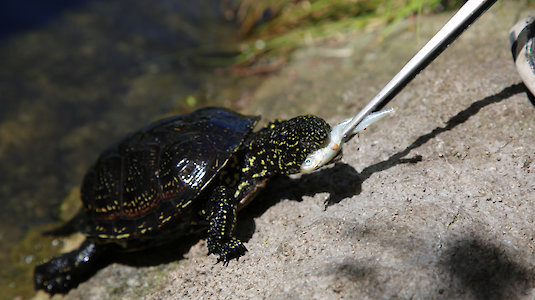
[185,204]
[238,190]
[101,210]
[122,236]
[281,165]
[294,144]
[261,174]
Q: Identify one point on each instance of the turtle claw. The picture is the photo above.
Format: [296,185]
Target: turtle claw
[227,250]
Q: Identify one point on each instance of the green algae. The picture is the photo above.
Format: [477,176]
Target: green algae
[293,24]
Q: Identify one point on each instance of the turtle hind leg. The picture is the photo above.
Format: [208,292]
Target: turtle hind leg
[66,271]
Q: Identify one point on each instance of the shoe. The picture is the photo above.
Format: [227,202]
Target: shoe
[521,37]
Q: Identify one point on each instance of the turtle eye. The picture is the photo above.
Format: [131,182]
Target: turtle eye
[308,162]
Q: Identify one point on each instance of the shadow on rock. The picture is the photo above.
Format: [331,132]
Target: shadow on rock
[160,254]
[340,181]
[486,271]
[459,118]
[359,276]
[531,97]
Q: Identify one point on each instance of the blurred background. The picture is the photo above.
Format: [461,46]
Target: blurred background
[77,75]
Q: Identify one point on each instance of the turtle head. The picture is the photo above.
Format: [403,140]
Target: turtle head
[331,150]
[282,146]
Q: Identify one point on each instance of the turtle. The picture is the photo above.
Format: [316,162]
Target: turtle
[177,176]
[183,175]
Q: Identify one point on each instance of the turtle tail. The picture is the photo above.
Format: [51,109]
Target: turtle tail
[73,225]
[66,271]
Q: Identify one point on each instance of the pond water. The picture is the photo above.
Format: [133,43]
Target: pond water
[77,76]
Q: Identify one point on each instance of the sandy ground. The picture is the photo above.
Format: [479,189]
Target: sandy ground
[433,202]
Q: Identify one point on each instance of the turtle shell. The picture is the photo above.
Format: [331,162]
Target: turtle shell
[150,178]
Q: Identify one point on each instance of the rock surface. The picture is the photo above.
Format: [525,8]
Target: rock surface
[435,202]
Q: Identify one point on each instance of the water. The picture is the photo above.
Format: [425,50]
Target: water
[78,76]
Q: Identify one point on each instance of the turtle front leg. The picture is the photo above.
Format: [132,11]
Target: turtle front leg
[221,239]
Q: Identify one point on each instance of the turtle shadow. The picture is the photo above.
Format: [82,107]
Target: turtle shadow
[340,181]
